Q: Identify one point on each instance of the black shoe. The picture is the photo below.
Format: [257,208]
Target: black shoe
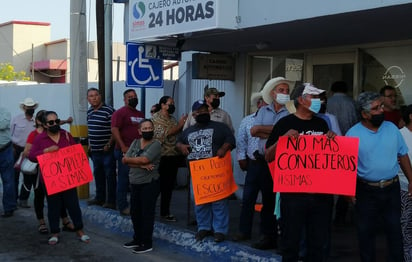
[109,205]
[7,214]
[240,237]
[95,202]
[131,244]
[142,249]
[202,234]
[219,237]
[266,243]
[169,218]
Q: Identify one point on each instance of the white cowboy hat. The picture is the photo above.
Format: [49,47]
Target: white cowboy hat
[272,83]
[254,98]
[29,102]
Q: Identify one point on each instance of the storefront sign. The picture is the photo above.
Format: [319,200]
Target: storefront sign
[209,66]
[151,19]
[315,164]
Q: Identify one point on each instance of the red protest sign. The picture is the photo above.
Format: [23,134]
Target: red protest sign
[212,179]
[64,169]
[315,164]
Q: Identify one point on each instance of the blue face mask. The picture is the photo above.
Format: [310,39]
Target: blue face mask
[315,105]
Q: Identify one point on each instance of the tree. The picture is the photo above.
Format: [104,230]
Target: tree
[7,73]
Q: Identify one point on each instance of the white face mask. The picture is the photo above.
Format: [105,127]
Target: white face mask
[282,98]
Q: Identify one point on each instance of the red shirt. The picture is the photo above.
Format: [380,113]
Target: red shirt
[127,120]
[393,116]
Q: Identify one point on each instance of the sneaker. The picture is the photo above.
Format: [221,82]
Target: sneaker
[142,249]
[95,202]
[125,212]
[219,237]
[169,218]
[266,243]
[201,234]
[109,205]
[131,244]
[7,214]
[240,237]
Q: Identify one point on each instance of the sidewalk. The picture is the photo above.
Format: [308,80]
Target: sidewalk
[181,234]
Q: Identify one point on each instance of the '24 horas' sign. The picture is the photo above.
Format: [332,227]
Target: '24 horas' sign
[149,19]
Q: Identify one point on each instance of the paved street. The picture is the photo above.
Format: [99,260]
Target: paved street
[20,241]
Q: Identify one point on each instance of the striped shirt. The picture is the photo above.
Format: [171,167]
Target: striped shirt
[99,126]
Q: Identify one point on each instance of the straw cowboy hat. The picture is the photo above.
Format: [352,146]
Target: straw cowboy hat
[254,98]
[29,102]
[272,83]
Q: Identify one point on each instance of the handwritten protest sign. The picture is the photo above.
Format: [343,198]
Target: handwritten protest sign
[212,179]
[64,169]
[315,164]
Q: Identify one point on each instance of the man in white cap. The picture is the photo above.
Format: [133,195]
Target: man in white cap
[275,93]
[303,211]
[20,127]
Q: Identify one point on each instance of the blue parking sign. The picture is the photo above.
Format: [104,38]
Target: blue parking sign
[142,70]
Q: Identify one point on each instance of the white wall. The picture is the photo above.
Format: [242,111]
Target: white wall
[263,12]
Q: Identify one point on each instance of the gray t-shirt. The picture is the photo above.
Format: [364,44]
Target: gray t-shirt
[152,151]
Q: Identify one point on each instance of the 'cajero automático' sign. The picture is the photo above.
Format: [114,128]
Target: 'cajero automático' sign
[150,19]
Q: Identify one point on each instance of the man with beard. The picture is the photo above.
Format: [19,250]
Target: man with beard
[20,127]
[212,99]
[125,129]
[382,150]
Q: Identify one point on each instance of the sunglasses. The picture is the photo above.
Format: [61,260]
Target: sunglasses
[152,111]
[51,122]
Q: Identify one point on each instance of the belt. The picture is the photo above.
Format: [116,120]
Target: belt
[5,146]
[381,183]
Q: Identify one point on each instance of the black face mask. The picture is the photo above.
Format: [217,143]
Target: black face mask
[133,102]
[171,109]
[377,120]
[215,103]
[30,112]
[54,129]
[202,118]
[148,135]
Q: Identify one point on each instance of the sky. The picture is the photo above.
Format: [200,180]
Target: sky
[57,13]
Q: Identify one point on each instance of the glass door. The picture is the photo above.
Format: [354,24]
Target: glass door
[324,69]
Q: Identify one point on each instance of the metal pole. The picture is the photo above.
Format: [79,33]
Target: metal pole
[78,77]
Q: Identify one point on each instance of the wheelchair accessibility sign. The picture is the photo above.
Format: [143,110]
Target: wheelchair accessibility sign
[142,69]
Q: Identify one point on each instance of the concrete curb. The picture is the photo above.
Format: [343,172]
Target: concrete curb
[184,240]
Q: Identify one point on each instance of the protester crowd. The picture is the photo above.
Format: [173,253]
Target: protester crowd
[138,156]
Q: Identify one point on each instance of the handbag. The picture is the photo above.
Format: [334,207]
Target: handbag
[27,167]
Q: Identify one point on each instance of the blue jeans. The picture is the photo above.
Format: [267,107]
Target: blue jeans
[258,178]
[142,210]
[373,203]
[8,180]
[56,202]
[309,212]
[213,216]
[104,175]
[122,181]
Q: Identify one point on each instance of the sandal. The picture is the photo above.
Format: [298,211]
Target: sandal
[43,229]
[53,240]
[68,227]
[84,239]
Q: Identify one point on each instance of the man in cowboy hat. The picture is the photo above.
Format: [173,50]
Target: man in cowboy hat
[275,93]
[20,127]
[246,145]
[212,99]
